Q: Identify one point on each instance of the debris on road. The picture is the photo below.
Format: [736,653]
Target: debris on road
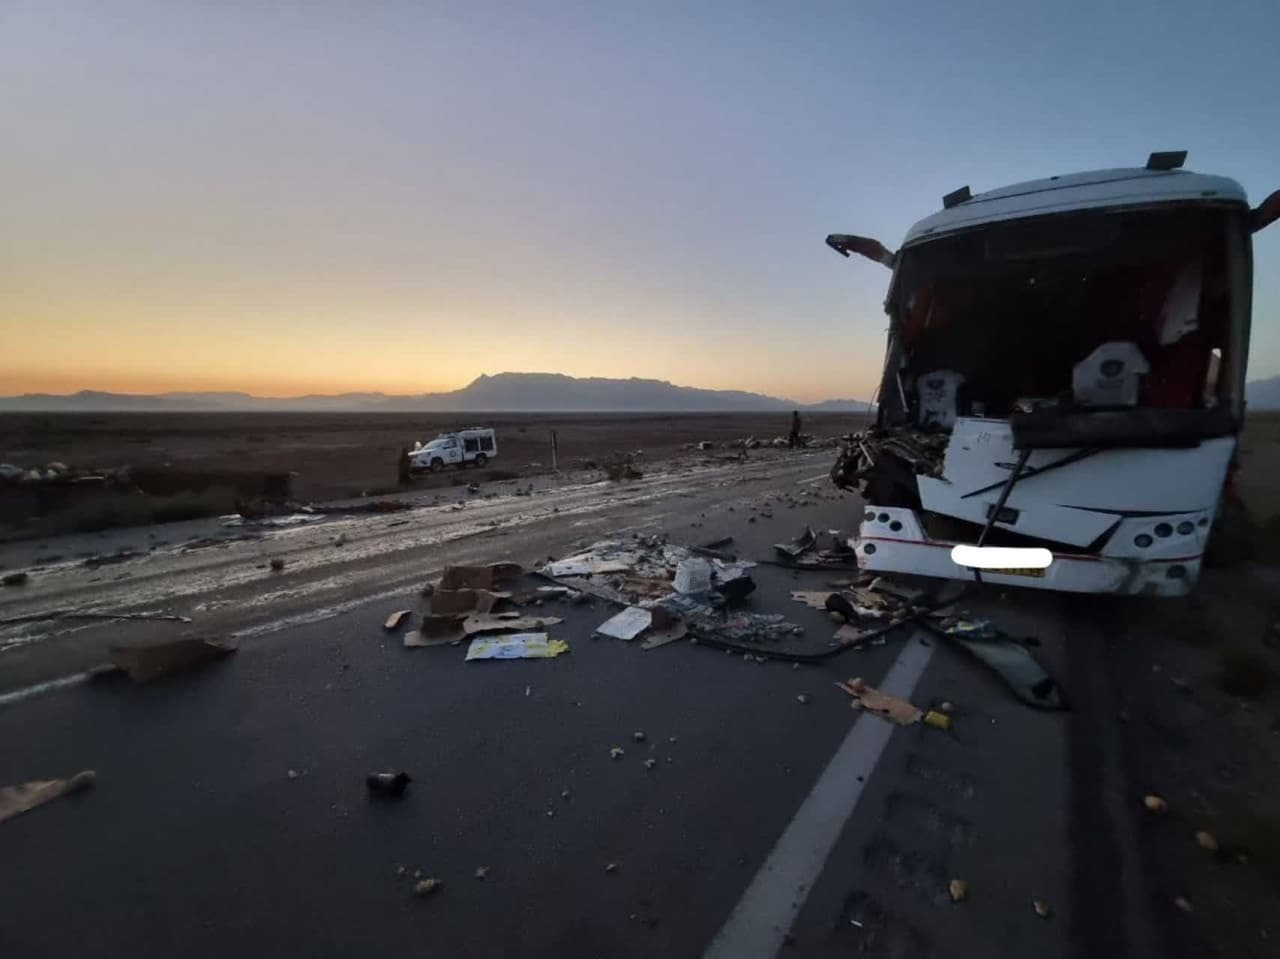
[611,867]
[607,557]
[450,601]
[958,890]
[29,795]
[798,546]
[277,564]
[15,579]
[1183,903]
[626,625]
[482,872]
[391,783]
[1009,658]
[616,752]
[870,699]
[478,577]
[638,736]
[803,699]
[1206,840]
[1041,907]
[499,623]
[516,646]
[936,719]
[650,763]
[145,663]
[666,628]
[1154,803]
[396,618]
[436,631]
[425,887]
[813,598]
[693,576]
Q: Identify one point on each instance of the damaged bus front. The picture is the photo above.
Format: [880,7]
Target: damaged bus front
[1065,373]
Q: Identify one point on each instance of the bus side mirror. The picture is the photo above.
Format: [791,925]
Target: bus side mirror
[846,243]
[1265,213]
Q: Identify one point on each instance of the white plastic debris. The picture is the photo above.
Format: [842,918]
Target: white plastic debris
[627,625]
[693,576]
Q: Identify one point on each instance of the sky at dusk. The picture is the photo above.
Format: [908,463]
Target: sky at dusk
[319,197]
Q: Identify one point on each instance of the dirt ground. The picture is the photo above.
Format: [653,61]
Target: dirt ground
[214,457]
[344,454]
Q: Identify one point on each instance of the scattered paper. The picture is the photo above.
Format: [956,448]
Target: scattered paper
[516,646]
[396,618]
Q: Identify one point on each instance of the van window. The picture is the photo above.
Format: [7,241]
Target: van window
[486,443]
[471,444]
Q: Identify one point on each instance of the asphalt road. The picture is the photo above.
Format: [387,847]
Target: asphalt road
[197,840]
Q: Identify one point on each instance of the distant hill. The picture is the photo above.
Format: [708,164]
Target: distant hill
[1263,394]
[503,392]
[840,406]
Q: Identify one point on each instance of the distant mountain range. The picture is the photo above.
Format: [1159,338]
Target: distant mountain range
[501,393]
[1263,394]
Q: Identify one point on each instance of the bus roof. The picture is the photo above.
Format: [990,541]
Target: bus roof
[1095,189]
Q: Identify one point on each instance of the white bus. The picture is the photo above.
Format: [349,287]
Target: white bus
[1065,372]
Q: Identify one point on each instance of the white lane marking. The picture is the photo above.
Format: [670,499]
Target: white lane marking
[759,923]
[17,695]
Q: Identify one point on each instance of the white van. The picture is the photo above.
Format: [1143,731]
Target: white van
[475,445]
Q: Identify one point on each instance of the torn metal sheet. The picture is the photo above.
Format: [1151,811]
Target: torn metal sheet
[516,646]
[626,625]
[487,623]
[798,546]
[871,700]
[478,577]
[1007,657]
[145,663]
[27,796]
